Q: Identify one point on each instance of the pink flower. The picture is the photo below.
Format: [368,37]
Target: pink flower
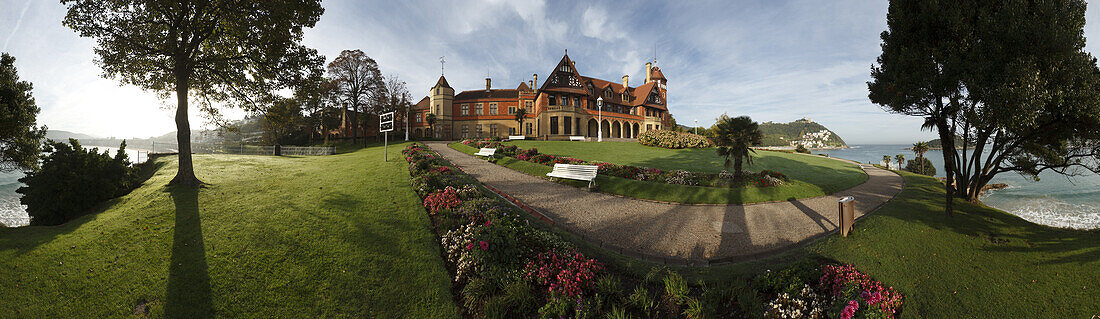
[484,245]
[470,246]
[849,310]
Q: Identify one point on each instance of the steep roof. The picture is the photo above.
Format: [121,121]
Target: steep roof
[492,94]
[523,87]
[423,104]
[442,82]
[657,74]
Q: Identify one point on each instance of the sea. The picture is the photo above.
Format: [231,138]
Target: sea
[14,214]
[1054,200]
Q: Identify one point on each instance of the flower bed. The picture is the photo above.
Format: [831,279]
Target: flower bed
[764,178]
[504,268]
[674,140]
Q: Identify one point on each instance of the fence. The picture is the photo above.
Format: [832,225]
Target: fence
[243,149]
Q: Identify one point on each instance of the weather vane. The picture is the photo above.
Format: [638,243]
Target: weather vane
[441,62]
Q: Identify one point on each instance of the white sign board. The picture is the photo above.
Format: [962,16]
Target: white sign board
[387,122]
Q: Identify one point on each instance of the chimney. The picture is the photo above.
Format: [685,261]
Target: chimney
[648,72]
[488,84]
[535,81]
[626,81]
[531,85]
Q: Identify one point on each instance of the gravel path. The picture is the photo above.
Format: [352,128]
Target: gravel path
[691,233]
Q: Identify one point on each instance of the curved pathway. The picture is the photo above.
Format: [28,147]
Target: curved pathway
[683,233]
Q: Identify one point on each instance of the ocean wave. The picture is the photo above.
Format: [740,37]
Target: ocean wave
[1053,212]
[13,213]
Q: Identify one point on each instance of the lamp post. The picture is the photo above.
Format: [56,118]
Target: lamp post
[599,110]
[696,127]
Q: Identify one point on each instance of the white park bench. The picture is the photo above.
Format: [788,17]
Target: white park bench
[487,152]
[516,137]
[576,138]
[577,172]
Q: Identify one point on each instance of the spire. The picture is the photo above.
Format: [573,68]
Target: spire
[441,62]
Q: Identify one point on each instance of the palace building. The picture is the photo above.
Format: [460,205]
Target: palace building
[563,106]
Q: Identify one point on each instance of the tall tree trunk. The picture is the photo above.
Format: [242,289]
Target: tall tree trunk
[947,141]
[185,175]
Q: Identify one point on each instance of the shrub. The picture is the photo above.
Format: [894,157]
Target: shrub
[674,140]
[682,177]
[801,149]
[913,165]
[851,287]
[567,275]
[444,199]
[72,180]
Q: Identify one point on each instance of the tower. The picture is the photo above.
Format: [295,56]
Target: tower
[442,105]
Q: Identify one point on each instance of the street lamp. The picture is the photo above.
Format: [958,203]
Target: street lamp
[599,110]
[696,127]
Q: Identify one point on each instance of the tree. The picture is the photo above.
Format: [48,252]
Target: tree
[20,139]
[397,100]
[73,179]
[886,159]
[921,166]
[430,118]
[232,52]
[1031,101]
[521,114]
[357,81]
[316,96]
[920,148]
[734,137]
[900,159]
[283,117]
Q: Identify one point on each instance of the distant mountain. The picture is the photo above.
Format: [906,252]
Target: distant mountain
[805,132]
[62,136]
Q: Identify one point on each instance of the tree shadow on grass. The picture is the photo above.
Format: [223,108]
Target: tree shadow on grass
[188,293]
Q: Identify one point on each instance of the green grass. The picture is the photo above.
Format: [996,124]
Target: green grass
[292,237]
[980,263]
[810,176]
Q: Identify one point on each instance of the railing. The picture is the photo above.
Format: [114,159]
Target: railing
[243,149]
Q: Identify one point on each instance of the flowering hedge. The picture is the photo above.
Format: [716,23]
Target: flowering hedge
[674,140]
[810,290]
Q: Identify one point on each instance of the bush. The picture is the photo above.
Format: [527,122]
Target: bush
[801,149]
[72,180]
[675,140]
[913,165]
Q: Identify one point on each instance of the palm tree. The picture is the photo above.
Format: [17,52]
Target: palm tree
[900,159]
[734,136]
[920,148]
[431,122]
[520,115]
[886,158]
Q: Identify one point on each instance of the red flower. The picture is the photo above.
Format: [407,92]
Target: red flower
[484,245]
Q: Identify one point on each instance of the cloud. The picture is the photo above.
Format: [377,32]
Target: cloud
[596,24]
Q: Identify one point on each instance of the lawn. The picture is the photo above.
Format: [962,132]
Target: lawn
[810,176]
[328,236]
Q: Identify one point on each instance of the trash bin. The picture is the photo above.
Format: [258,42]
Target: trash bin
[847,211]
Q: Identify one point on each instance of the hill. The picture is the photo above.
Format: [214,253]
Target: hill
[59,135]
[803,131]
[938,144]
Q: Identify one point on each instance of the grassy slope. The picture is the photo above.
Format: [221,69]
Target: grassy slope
[827,175]
[293,237]
[802,167]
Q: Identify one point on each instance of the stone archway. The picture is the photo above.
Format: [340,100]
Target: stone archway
[617,129]
[636,127]
[626,130]
[606,128]
[593,127]
[417,132]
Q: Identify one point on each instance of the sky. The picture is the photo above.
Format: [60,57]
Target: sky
[772,60]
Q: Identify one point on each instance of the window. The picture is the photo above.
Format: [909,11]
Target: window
[553,100]
[576,101]
[418,117]
[565,68]
[578,125]
[573,81]
[528,128]
[564,100]
[553,125]
[511,110]
[477,130]
[480,107]
[511,131]
[465,130]
[527,105]
[493,108]
[568,125]
[649,127]
[493,130]
[437,90]
[465,109]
